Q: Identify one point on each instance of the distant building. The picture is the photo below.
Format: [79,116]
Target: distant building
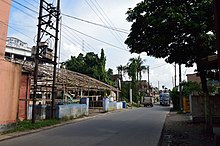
[193,78]
[17,49]
[142,86]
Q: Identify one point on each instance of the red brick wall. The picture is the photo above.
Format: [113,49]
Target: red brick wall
[193,78]
[24,93]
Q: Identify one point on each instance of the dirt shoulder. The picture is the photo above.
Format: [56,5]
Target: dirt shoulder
[180,131]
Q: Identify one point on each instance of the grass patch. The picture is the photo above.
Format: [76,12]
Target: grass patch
[27,125]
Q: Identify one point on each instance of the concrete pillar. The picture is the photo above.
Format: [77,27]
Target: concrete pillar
[87,106]
[105,104]
[131,96]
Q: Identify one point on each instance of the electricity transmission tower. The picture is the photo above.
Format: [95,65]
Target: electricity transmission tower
[48,28]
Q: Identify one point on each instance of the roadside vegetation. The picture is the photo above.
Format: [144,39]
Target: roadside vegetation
[28,125]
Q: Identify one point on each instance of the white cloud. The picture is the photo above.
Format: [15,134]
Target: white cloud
[69,50]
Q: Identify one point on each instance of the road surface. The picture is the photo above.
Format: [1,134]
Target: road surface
[133,127]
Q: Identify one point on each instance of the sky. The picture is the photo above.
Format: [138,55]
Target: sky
[84,37]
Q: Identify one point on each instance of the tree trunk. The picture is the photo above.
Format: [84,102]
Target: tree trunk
[207,106]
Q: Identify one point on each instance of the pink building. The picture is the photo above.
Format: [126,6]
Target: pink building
[10,75]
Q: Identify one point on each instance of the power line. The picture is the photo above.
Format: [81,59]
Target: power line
[20,25]
[106,18]
[71,40]
[16,30]
[67,15]
[79,40]
[109,27]
[25,6]
[95,38]
[19,9]
[101,19]
[67,27]
[104,26]
[87,44]
[36,1]
[21,28]
[31,4]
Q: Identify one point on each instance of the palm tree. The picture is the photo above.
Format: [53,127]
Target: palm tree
[135,68]
[131,69]
[140,67]
[121,69]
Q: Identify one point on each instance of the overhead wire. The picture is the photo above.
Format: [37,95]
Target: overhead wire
[97,24]
[102,20]
[79,39]
[16,30]
[69,28]
[74,29]
[79,19]
[76,45]
[19,9]
[86,44]
[25,6]
[95,38]
[106,18]
[35,1]
[31,4]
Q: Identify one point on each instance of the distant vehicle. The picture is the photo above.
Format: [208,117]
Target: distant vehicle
[147,101]
[164,99]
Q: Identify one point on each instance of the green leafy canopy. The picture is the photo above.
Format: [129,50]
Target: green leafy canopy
[180,31]
[90,64]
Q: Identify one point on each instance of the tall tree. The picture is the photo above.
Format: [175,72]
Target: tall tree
[91,65]
[121,70]
[179,31]
[102,62]
[140,67]
[134,69]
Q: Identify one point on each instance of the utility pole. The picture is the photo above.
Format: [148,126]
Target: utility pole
[158,85]
[148,78]
[57,16]
[175,75]
[36,60]
[180,87]
[41,52]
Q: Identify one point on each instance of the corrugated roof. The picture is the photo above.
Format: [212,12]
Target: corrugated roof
[67,78]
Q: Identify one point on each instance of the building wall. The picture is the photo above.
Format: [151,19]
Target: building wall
[198,108]
[16,49]
[193,78]
[10,75]
[4,17]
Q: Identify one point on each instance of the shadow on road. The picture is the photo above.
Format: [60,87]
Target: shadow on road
[158,107]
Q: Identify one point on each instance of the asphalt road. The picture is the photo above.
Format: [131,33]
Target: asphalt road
[135,127]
